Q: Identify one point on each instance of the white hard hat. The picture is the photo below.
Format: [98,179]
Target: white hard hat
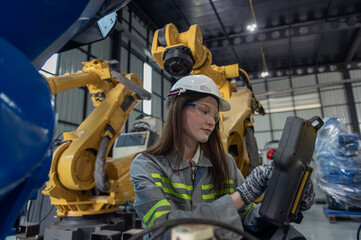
[200,83]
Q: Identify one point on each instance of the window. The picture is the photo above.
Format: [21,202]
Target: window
[49,66]
[147,85]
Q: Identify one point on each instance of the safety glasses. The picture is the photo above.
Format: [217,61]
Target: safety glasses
[204,111]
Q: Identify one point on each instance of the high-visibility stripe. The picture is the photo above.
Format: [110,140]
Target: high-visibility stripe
[206,187]
[175,185]
[179,195]
[161,203]
[155,216]
[208,196]
[250,206]
[171,191]
[231,190]
[213,195]
[181,185]
[210,186]
[156,175]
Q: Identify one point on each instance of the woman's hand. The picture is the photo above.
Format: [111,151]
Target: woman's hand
[254,185]
[237,200]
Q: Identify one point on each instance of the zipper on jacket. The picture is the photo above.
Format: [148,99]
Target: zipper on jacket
[193,170]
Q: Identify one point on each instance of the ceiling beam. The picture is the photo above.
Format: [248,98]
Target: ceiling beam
[356,42]
[269,43]
[334,23]
[143,15]
[223,29]
[307,69]
[278,33]
[181,13]
[307,88]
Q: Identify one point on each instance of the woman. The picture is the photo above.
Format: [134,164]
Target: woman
[187,173]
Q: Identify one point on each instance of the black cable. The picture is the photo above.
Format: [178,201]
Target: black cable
[159,233]
[176,222]
[286,228]
[100,177]
[41,205]
[47,215]
[57,138]
[358,232]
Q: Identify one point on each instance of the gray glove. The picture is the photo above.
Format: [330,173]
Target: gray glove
[256,183]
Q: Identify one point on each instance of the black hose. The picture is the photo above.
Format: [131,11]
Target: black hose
[172,223]
[99,173]
[358,232]
[47,215]
[286,228]
[155,236]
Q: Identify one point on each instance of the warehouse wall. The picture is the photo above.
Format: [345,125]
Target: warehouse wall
[356,89]
[318,100]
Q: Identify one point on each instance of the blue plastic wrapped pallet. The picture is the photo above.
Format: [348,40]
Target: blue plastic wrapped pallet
[337,155]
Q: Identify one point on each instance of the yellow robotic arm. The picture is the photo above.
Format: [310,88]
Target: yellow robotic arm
[181,54]
[81,181]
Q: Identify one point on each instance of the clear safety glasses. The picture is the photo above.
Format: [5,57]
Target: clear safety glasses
[204,111]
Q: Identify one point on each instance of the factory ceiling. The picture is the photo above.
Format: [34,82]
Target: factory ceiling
[298,37]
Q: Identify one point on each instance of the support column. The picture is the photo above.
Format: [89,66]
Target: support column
[355,128]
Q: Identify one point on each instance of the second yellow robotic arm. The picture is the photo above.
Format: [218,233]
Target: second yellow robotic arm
[78,171]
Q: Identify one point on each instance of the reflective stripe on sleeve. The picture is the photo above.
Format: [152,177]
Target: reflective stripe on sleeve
[213,195]
[157,214]
[210,186]
[208,190]
[250,206]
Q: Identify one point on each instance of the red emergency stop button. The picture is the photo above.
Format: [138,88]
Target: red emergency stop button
[270,153]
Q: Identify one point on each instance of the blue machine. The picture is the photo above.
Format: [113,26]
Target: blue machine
[338,159]
[30,32]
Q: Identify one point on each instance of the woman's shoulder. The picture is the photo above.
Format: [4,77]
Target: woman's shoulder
[145,163]
[229,157]
[145,158]
[142,155]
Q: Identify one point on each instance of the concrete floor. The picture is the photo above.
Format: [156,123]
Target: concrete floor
[315,225]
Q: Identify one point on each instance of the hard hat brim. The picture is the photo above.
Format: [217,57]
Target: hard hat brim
[202,84]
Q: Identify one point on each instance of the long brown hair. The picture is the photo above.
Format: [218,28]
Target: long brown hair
[172,139]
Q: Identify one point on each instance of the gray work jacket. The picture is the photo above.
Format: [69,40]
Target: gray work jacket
[165,191]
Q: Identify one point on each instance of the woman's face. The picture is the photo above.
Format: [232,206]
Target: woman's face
[198,124]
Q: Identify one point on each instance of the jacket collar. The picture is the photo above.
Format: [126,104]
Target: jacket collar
[203,160]
[172,159]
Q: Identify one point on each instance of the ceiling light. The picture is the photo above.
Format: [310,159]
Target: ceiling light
[252,27]
[321,69]
[333,68]
[299,71]
[264,74]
